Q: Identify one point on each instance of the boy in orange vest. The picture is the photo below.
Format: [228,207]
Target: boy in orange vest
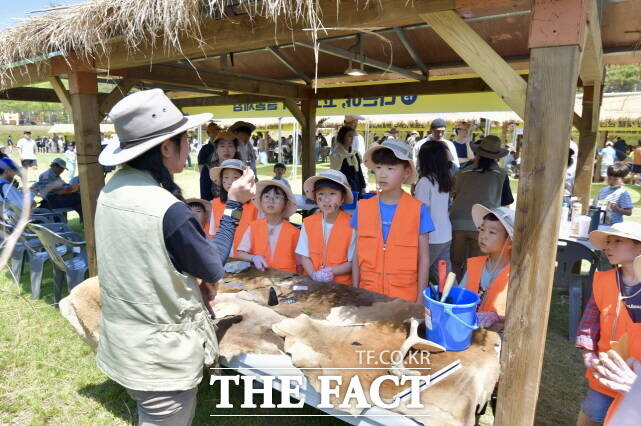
[611,320]
[227,173]
[327,241]
[489,274]
[202,209]
[270,242]
[392,229]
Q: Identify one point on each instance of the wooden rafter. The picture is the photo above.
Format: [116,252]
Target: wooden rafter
[591,70]
[293,68]
[31,94]
[222,100]
[407,44]
[61,92]
[292,106]
[120,91]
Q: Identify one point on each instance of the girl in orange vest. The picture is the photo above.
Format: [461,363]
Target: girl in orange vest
[489,274]
[327,241]
[392,242]
[270,242]
[202,210]
[611,321]
[224,175]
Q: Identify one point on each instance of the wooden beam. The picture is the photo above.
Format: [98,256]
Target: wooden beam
[576,121]
[407,44]
[587,148]
[222,100]
[308,128]
[548,114]
[592,58]
[437,87]
[218,36]
[292,106]
[61,92]
[479,55]
[293,68]
[86,121]
[120,91]
[190,78]
[31,94]
[347,54]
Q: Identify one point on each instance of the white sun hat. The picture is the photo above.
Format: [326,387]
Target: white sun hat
[401,150]
[505,215]
[333,175]
[290,208]
[143,120]
[631,230]
[216,172]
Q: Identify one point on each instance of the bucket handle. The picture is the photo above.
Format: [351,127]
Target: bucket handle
[474,326]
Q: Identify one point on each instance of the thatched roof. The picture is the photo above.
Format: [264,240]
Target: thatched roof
[89,28]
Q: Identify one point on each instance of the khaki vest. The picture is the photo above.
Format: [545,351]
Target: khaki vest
[155,333]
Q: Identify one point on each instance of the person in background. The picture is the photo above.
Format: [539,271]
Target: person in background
[608,157]
[322,147]
[27,148]
[437,133]
[201,209]
[72,159]
[570,172]
[619,202]
[55,191]
[620,145]
[10,144]
[261,145]
[347,160]
[9,193]
[636,164]
[359,144]
[412,138]
[225,147]
[482,182]
[205,157]
[279,173]
[433,189]
[462,141]
[243,131]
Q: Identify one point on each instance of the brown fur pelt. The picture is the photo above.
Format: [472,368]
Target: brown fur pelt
[82,309]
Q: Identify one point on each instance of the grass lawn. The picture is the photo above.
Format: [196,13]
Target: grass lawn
[48,376]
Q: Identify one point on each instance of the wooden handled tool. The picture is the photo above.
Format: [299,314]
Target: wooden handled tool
[449,282]
[442,271]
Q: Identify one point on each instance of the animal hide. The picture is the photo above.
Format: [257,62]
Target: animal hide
[82,309]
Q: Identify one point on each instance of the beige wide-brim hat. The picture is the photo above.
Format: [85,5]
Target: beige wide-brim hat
[505,215]
[289,209]
[629,230]
[334,176]
[401,150]
[489,147]
[206,204]
[143,120]
[232,163]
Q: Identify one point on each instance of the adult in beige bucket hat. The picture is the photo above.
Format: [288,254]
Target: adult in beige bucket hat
[155,262]
[401,150]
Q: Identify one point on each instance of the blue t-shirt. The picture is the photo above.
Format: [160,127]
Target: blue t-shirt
[387,215]
[619,196]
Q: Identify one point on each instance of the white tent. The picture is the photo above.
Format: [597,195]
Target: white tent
[68,128]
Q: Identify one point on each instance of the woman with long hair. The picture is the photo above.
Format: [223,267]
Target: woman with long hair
[225,147]
[433,189]
[347,160]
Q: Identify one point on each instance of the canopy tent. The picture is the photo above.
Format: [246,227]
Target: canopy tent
[69,128]
[298,52]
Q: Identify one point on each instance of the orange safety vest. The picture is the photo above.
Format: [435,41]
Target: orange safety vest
[496,296]
[250,213]
[284,257]
[335,252]
[606,297]
[391,267]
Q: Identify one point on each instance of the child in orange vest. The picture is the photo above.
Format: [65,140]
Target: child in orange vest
[327,241]
[611,320]
[202,210]
[227,173]
[392,242]
[270,242]
[488,275]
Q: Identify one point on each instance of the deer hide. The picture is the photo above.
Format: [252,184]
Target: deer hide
[82,309]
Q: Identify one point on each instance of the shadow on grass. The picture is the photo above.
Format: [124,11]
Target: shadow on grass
[112,397]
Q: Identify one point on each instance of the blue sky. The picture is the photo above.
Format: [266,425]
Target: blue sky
[19,8]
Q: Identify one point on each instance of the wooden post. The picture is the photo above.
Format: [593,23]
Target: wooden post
[308,107]
[83,90]
[587,147]
[548,116]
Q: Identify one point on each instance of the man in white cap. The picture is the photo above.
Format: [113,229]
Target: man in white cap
[437,134]
[155,262]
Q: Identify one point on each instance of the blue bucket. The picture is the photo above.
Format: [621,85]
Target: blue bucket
[451,325]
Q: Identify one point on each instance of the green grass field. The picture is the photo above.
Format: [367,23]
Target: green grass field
[48,376]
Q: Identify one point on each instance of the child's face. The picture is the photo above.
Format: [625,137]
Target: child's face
[390,177]
[493,237]
[621,250]
[279,172]
[272,202]
[614,181]
[229,176]
[200,213]
[329,200]
[225,149]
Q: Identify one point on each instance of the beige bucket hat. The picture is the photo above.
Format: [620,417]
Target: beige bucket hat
[290,208]
[206,204]
[504,214]
[232,163]
[143,120]
[401,150]
[629,230]
[334,176]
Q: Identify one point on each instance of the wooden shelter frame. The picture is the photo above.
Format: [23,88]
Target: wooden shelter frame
[565,50]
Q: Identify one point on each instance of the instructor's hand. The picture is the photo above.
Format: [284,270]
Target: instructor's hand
[244,188]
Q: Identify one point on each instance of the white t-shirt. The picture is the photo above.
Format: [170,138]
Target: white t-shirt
[27,149]
[273,232]
[438,203]
[358,145]
[452,155]
[283,180]
[302,248]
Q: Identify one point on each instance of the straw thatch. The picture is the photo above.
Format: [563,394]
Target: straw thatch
[87,29]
